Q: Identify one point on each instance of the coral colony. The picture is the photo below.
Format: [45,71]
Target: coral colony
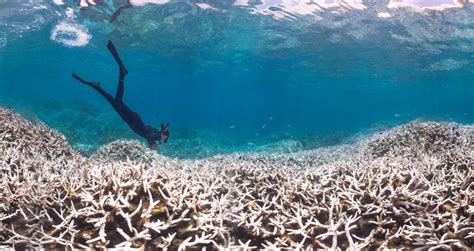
[410,187]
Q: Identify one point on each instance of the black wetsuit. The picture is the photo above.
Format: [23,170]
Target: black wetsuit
[150,133]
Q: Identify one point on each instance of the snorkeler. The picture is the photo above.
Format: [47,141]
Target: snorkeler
[119,10]
[132,118]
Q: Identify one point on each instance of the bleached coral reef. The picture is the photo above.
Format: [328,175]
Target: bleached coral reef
[412,186]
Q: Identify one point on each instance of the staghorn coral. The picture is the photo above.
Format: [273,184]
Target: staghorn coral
[410,187]
[27,138]
[418,139]
[125,150]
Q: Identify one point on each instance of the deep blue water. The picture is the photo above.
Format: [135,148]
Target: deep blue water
[235,79]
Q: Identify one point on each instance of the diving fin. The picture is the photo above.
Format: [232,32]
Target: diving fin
[113,51]
[119,10]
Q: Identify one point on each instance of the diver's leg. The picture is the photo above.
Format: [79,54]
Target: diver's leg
[119,10]
[119,94]
[114,52]
[122,70]
[97,87]
[132,118]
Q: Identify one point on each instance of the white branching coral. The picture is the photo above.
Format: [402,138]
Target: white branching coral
[27,139]
[126,150]
[410,187]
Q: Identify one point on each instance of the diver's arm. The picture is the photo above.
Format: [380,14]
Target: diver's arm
[151,144]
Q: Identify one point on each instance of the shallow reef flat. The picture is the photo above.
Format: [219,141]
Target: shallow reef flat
[409,187]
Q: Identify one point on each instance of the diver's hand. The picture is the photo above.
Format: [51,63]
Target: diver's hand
[164,133]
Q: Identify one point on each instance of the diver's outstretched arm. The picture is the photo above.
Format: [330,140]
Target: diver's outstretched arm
[117,12]
[96,86]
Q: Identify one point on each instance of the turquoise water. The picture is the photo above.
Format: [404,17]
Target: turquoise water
[266,76]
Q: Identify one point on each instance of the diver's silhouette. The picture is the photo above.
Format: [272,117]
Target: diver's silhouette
[132,118]
[119,10]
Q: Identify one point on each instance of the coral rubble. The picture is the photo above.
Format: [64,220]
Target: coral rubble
[412,186]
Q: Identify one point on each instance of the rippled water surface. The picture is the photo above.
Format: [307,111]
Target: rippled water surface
[273,75]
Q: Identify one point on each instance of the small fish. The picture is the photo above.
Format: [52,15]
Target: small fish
[264,125]
[232,126]
[270,118]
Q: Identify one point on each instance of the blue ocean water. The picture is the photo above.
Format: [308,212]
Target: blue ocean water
[271,75]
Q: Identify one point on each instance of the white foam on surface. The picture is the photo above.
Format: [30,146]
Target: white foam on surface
[70,34]
[421,5]
[384,15]
[86,3]
[288,8]
[241,3]
[206,6]
[143,2]
[279,9]
[349,17]
[58,2]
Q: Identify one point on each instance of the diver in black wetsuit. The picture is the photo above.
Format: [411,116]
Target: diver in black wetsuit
[132,118]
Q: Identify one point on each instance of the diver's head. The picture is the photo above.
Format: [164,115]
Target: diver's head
[164,133]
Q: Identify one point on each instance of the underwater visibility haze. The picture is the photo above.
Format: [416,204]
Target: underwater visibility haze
[269,75]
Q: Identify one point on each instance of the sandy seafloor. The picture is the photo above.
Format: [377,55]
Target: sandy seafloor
[409,187]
